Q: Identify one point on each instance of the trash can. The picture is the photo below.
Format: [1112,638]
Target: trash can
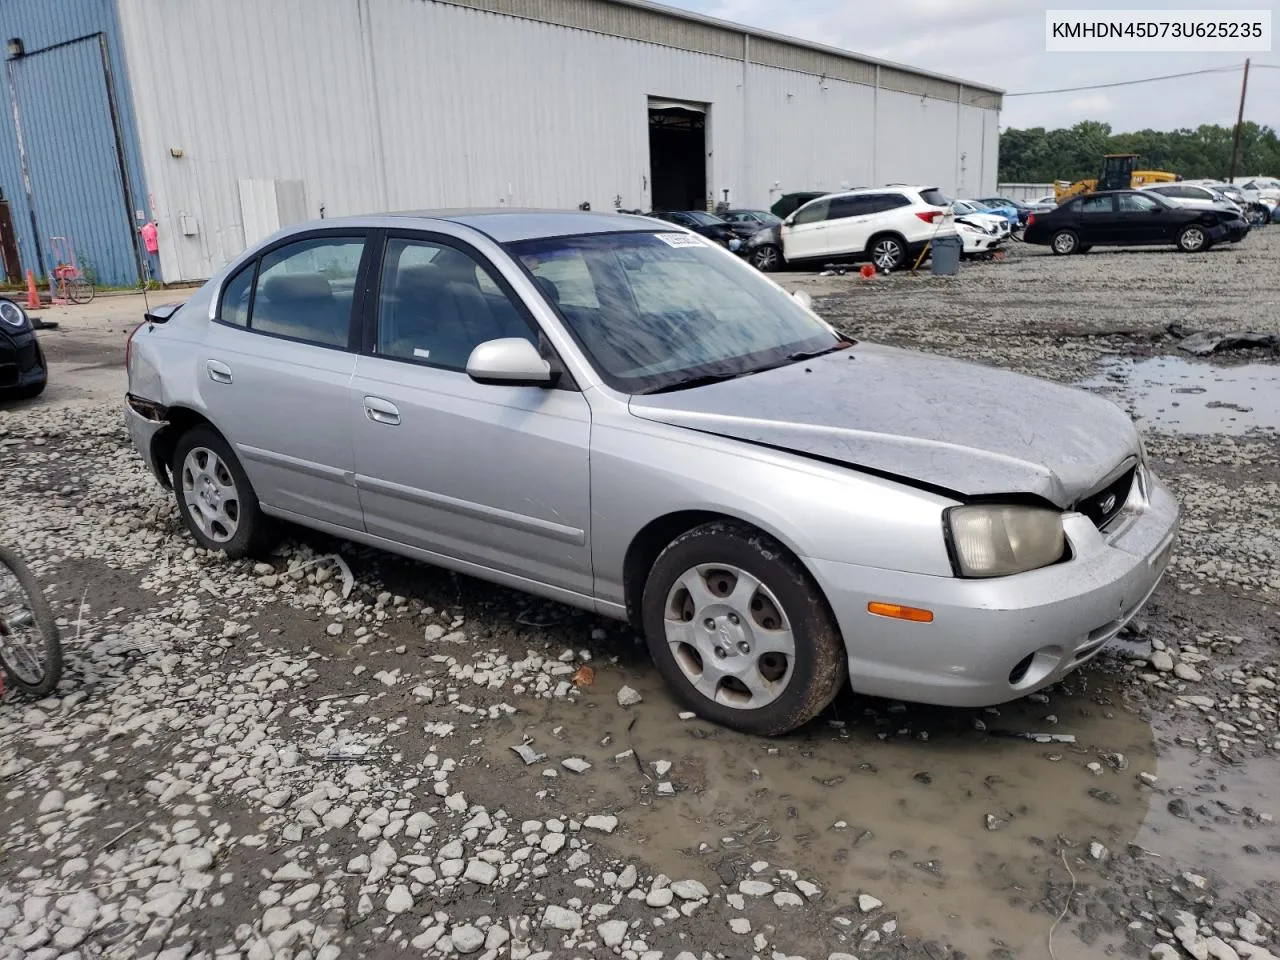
[946,255]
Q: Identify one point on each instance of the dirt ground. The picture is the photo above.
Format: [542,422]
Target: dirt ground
[260,759]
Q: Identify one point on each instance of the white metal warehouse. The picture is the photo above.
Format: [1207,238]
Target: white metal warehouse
[245,115]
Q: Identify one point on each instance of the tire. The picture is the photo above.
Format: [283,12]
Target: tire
[30,648]
[746,591]
[766,258]
[1193,239]
[80,290]
[207,480]
[887,252]
[1065,243]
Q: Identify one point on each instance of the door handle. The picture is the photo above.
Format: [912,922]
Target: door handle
[218,371]
[382,411]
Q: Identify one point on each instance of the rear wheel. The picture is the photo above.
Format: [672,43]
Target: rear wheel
[766,258]
[887,252]
[1192,238]
[740,632]
[30,648]
[215,497]
[1065,242]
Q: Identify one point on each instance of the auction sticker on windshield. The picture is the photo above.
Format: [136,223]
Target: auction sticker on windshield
[681,239]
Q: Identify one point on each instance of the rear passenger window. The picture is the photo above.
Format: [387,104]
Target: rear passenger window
[305,290]
[811,213]
[235,297]
[841,207]
[437,304]
[1095,205]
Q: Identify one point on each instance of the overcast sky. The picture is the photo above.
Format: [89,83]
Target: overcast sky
[1002,43]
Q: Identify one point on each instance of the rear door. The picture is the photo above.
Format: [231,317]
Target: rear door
[804,233]
[275,371]
[491,475]
[1096,219]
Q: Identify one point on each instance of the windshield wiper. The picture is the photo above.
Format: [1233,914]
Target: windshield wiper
[700,381]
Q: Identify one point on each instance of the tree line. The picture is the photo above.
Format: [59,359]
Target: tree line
[1037,155]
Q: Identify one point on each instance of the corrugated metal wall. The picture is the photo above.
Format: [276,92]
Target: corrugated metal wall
[69,137]
[403,104]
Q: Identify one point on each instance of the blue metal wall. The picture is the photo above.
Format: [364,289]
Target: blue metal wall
[69,137]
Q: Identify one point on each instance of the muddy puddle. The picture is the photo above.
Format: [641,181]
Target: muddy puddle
[885,799]
[1188,396]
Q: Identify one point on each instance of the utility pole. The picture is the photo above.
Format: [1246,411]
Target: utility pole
[1235,141]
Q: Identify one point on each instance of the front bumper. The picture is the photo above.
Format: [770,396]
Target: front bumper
[22,363]
[143,431]
[999,639]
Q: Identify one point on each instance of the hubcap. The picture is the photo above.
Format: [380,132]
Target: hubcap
[1193,239]
[766,257]
[1064,243]
[886,254]
[209,490]
[729,635]
[21,642]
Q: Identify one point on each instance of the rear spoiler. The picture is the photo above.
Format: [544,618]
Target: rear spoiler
[161,314]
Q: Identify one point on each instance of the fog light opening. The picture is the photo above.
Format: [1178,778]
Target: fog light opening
[1020,669]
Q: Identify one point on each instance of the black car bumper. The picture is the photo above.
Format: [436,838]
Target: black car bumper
[22,363]
[1236,229]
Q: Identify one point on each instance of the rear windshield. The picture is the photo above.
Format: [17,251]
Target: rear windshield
[935,197]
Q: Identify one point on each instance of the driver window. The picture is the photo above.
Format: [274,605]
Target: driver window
[437,304]
[810,213]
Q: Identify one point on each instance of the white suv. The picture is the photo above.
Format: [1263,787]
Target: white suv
[886,225]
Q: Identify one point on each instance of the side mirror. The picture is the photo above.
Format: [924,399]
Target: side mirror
[511,362]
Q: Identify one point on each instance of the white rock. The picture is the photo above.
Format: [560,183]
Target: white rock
[553,843]
[660,897]
[605,824]
[785,898]
[1162,661]
[612,932]
[627,878]
[755,888]
[660,767]
[740,925]
[480,872]
[867,903]
[399,899]
[575,764]
[466,938]
[628,697]
[1184,671]
[52,802]
[558,918]
[690,890]
[810,890]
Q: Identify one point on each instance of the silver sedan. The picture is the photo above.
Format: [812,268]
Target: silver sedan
[612,412]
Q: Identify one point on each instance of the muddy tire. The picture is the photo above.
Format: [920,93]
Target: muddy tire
[740,632]
[215,498]
[1065,243]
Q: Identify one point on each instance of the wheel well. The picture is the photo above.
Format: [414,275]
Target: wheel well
[180,420]
[653,539]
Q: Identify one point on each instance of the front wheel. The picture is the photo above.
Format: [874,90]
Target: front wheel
[766,258]
[30,648]
[215,498]
[1065,242]
[740,632]
[1192,238]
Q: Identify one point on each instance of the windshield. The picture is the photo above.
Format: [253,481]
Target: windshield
[703,219]
[654,311]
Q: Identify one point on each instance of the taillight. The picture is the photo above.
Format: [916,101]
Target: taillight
[929,216]
[1031,219]
[128,344]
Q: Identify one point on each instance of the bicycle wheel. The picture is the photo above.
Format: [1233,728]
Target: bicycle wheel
[80,290]
[30,649]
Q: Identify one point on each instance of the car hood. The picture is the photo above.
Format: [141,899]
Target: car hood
[967,429]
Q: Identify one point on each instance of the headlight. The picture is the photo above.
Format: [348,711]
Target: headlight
[994,540]
[13,316]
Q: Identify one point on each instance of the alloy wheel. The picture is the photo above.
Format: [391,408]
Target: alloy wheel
[209,490]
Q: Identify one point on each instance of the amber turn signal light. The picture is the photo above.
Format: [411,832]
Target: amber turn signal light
[899,612]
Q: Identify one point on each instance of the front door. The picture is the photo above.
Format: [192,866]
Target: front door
[1143,219]
[496,476]
[804,234]
[275,374]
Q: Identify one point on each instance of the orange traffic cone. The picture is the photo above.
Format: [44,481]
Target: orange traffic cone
[33,296]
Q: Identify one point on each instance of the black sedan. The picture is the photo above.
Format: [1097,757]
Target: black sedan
[699,221]
[1130,218]
[23,372]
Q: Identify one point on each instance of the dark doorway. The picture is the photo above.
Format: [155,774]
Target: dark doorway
[9,245]
[678,156]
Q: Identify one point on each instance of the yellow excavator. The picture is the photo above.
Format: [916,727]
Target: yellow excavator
[1118,173]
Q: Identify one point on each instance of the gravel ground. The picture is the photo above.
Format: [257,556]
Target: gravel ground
[337,752]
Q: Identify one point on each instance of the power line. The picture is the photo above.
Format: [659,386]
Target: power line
[1129,83]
